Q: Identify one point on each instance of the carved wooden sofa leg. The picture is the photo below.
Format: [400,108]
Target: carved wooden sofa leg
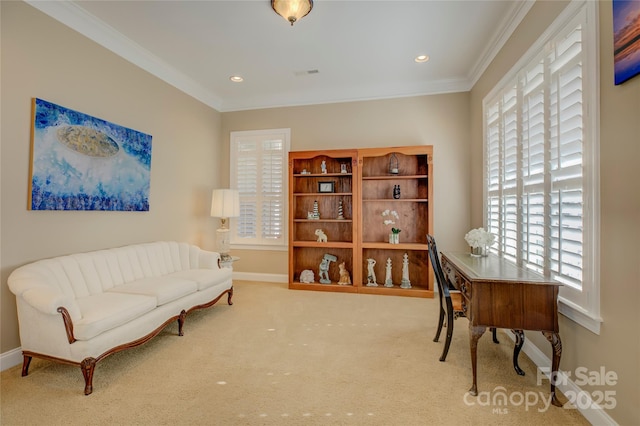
[88,365]
[181,318]
[229,296]
[26,361]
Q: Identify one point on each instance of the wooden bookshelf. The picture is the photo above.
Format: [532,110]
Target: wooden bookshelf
[361,180]
[305,252]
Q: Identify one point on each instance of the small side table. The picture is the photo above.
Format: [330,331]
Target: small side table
[229,263]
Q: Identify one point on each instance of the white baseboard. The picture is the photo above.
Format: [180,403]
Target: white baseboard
[252,276]
[594,414]
[10,359]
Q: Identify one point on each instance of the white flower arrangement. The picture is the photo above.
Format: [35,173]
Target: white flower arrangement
[388,219]
[479,237]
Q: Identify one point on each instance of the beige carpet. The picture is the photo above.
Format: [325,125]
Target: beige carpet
[286,357]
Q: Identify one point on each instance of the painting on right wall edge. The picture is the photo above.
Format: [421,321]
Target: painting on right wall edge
[626,39]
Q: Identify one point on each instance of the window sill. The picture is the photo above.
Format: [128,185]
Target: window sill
[579,315]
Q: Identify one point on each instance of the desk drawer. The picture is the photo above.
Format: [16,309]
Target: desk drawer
[458,281]
[464,286]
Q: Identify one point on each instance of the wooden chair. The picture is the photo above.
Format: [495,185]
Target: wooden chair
[450,300]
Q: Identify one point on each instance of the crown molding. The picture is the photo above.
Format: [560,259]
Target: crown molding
[506,28]
[76,18]
[437,87]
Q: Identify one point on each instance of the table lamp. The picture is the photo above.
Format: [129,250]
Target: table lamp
[225,203]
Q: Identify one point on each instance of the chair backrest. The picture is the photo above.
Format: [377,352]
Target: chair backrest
[443,286]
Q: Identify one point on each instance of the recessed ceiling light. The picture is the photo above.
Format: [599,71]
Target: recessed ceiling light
[236,78]
[422,58]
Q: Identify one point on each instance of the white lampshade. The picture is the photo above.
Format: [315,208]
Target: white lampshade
[225,203]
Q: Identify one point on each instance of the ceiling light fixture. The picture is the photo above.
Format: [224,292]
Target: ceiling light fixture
[422,58]
[236,78]
[292,10]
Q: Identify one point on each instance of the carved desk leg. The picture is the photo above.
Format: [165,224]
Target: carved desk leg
[475,332]
[556,344]
[516,350]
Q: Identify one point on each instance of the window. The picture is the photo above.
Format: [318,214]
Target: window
[541,162]
[258,171]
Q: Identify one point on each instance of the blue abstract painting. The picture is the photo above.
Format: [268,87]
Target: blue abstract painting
[79,162]
[626,39]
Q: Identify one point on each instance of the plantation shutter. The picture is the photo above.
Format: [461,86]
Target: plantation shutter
[273,175]
[534,147]
[247,185]
[494,174]
[541,153]
[258,171]
[566,162]
[510,174]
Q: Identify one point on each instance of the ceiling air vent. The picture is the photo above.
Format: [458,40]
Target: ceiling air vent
[306,72]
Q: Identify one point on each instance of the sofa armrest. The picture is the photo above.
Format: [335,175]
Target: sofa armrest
[209,259]
[47,301]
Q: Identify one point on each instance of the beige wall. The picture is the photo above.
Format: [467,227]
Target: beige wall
[617,348]
[42,58]
[45,59]
[441,121]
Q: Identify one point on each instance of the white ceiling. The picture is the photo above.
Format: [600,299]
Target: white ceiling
[361,49]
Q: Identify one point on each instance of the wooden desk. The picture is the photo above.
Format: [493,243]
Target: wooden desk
[499,294]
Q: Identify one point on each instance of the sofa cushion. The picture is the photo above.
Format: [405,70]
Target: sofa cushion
[164,289]
[102,312]
[205,278]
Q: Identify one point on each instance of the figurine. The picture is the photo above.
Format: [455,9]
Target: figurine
[343,168]
[322,237]
[315,214]
[323,166]
[388,282]
[340,211]
[324,268]
[371,274]
[396,192]
[307,276]
[345,279]
[405,272]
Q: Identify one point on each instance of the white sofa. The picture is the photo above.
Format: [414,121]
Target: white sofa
[79,309]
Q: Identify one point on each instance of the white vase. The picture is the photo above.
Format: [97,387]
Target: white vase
[394,238]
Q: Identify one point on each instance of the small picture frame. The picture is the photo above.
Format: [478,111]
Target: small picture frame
[325,186]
